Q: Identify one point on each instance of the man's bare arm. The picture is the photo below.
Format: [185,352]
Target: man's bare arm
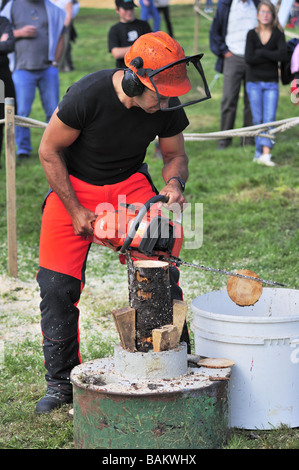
[56,137]
[175,164]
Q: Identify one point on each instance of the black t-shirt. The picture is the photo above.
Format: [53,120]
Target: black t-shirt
[113,140]
[124,34]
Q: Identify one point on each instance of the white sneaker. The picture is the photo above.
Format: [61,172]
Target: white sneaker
[265,159]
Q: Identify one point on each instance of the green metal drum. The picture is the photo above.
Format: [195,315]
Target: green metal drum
[112,412]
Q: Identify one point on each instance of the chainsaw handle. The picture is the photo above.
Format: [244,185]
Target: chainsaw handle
[138,219]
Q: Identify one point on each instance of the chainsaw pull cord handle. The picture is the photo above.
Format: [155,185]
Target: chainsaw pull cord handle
[138,219]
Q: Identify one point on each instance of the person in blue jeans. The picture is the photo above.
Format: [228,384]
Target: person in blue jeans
[148,10]
[38,29]
[265,48]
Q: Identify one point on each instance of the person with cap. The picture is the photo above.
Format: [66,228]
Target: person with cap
[93,151]
[129,28]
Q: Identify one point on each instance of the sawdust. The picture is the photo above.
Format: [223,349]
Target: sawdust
[106,289]
[19,308]
[100,376]
[20,313]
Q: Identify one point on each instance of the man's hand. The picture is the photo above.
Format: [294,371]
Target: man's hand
[176,199]
[82,220]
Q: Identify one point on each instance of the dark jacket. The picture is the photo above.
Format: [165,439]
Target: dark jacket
[8,45]
[218,31]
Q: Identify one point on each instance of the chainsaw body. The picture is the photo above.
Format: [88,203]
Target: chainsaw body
[143,229]
[149,235]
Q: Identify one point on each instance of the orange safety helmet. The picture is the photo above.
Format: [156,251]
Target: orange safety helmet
[153,51]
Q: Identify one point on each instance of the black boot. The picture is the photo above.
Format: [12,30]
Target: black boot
[52,400]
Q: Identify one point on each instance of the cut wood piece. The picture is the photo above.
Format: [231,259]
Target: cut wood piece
[124,319]
[216,363]
[244,291]
[179,314]
[165,338]
[218,378]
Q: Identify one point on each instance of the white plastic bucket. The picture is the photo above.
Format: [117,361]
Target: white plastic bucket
[263,341]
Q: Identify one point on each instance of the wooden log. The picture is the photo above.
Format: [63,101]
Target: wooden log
[165,338]
[179,314]
[124,319]
[149,295]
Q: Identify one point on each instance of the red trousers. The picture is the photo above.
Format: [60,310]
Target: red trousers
[60,249]
[61,277]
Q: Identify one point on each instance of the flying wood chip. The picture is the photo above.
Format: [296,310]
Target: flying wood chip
[244,292]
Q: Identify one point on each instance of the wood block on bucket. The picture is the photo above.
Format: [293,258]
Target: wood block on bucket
[165,338]
[216,363]
[244,291]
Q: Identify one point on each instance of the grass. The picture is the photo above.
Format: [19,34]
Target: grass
[250,220]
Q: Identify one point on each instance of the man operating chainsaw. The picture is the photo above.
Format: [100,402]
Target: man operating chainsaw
[92,151]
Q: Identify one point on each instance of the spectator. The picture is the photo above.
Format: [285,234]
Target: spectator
[38,27]
[67,6]
[73,34]
[232,21]
[148,10]
[7,43]
[163,7]
[295,72]
[209,6]
[122,35]
[265,48]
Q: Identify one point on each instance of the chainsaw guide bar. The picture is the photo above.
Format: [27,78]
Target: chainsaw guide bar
[178,262]
[141,237]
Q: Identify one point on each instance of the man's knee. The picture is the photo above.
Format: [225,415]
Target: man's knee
[59,295]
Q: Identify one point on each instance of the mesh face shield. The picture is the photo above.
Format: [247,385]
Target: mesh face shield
[184,79]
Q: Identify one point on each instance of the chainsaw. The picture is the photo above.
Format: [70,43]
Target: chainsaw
[149,234]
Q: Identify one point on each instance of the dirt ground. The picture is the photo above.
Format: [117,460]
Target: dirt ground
[111,4]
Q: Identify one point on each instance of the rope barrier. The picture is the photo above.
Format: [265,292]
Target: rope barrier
[250,131]
[272,129]
[11,121]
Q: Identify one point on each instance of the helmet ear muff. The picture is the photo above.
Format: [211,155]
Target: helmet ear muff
[131,84]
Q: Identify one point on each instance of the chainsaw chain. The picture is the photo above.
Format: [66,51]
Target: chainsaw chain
[179,262]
